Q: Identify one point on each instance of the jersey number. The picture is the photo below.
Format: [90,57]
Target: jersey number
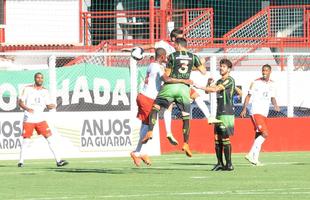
[184,66]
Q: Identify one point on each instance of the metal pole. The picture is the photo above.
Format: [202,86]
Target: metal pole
[290,68]
[133,84]
[213,95]
[52,79]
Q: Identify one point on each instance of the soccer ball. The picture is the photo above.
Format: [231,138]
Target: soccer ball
[137,53]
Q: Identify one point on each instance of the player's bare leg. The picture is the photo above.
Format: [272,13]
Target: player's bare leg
[167,119]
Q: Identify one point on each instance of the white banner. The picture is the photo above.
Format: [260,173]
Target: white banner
[78,134]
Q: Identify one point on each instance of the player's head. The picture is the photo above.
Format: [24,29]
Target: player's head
[38,79]
[160,55]
[225,66]
[180,44]
[266,71]
[176,33]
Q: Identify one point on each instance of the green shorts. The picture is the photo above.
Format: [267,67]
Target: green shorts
[226,128]
[178,93]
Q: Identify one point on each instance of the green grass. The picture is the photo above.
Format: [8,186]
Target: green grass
[284,176]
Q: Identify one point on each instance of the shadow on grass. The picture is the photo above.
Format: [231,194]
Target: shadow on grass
[301,163]
[83,170]
[130,170]
[195,164]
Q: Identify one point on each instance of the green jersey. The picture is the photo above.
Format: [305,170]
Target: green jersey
[225,97]
[181,64]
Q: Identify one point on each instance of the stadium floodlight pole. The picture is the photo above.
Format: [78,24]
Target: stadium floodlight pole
[133,85]
[289,70]
[213,95]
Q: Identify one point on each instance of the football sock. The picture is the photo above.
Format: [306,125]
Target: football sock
[186,128]
[219,152]
[52,144]
[257,146]
[23,149]
[153,118]
[143,130]
[227,150]
[202,106]
[167,119]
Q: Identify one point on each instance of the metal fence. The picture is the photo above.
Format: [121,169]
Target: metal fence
[104,78]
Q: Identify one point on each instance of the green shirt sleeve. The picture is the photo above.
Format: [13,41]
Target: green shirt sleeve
[197,61]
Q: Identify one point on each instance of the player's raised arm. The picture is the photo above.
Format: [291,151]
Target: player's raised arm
[199,65]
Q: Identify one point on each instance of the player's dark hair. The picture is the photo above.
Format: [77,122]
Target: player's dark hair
[159,52]
[37,74]
[268,66]
[226,62]
[181,41]
[175,32]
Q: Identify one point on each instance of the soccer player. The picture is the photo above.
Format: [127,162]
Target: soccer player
[169,47]
[145,99]
[33,100]
[260,94]
[180,65]
[225,89]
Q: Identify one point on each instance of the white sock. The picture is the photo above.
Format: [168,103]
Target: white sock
[23,149]
[167,119]
[143,130]
[202,106]
[258,144]
[52,144]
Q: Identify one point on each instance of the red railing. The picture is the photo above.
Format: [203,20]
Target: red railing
[274,26]
[134,27]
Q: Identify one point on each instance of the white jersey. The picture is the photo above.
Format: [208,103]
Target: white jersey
[165,45]
[35,99]
[261,92]
[153,82]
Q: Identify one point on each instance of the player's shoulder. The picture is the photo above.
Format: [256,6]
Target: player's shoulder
[28,87]
[230,79]
[154,67]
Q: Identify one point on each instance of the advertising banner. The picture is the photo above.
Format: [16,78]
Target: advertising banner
[93,115]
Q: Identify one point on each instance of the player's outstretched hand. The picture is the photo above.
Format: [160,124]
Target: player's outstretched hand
[243,113]
[210,81]
[51,106]
[277,108]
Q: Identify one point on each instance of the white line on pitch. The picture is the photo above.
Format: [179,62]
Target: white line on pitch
[271,191]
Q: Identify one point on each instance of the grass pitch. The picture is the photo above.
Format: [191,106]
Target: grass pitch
[284,176]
